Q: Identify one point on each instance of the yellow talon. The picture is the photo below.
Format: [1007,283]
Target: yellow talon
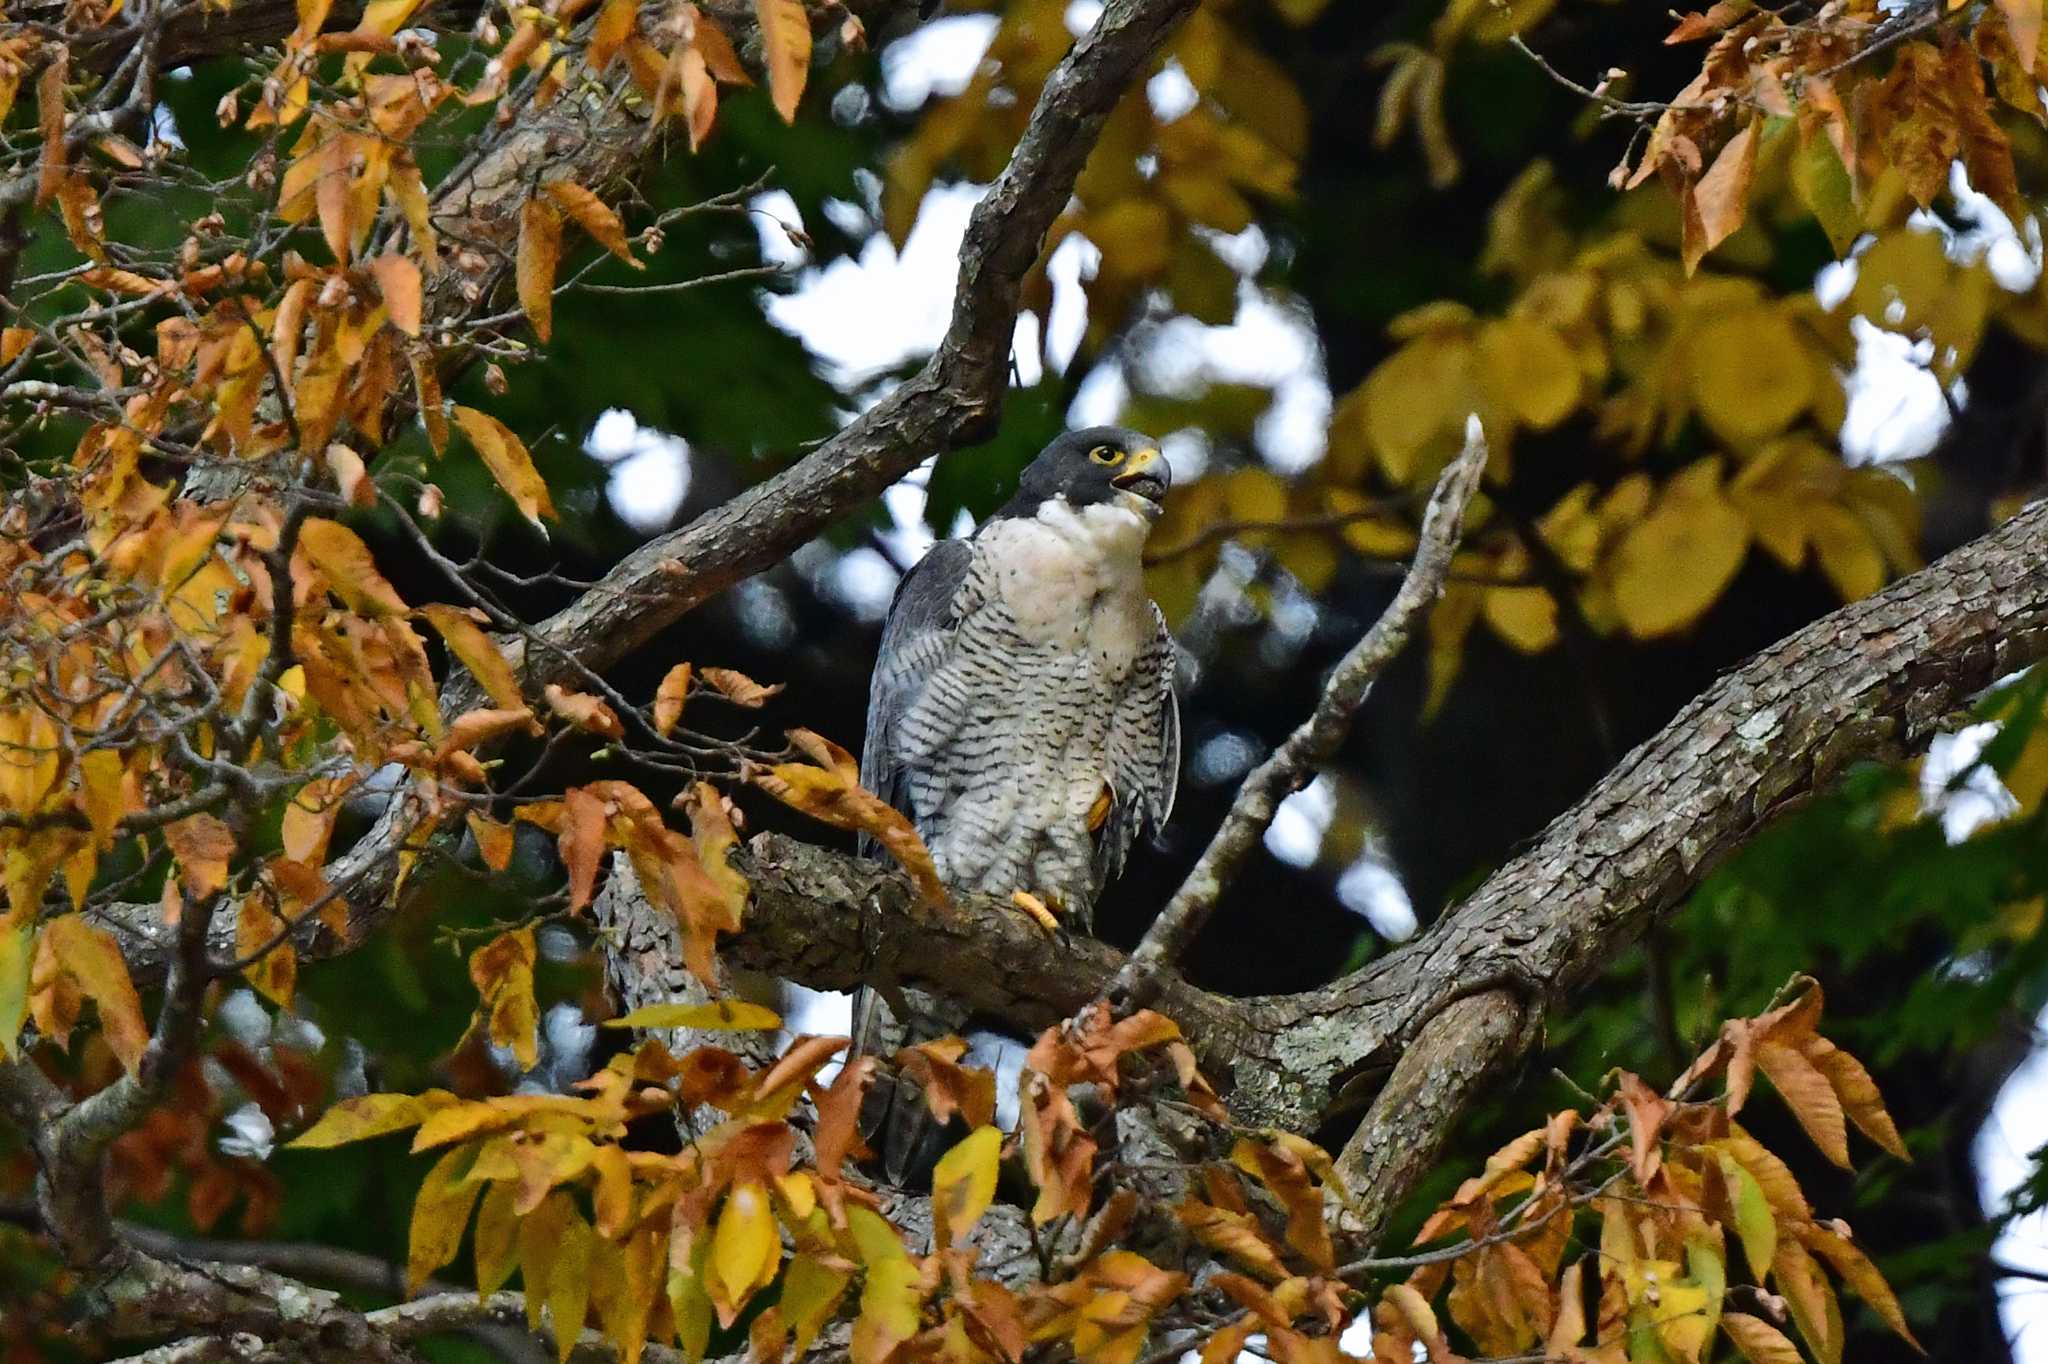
[1035,907]
[1098,813]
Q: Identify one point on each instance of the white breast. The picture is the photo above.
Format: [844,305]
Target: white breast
[1073,578]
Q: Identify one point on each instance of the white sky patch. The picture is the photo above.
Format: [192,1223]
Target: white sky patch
[650,469]
[1171,93]
[1895,410]
[1081,16]
[2018,1126]
[937,58]
[1370,889]
[862,582]
[1966,791]
[1296,834]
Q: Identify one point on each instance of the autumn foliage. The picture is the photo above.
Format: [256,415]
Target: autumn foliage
[226,418]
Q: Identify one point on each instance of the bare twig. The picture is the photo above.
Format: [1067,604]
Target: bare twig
[1292,764]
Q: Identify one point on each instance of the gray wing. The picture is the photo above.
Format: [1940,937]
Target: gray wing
[915,640]
[1144,755]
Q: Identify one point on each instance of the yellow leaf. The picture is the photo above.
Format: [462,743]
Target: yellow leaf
[346,564]
[569,1283]
[744,1249]
[372,1115]
[1673,564]
[89,955]
[1526,367]
[1526,617]
[1759,1341]
[669,698]
[440,1211]
[722,1015]
[1751,376]
[508,462]
[1414,398]
[1846,551]
[594,216]
[890,1310]
[786,49]
[13,341]
[811,1291]
[17,954]
[542,1236]
[398,280]
[964,1183]
[837,799]
[540,252]
[497,1239]
[477,652]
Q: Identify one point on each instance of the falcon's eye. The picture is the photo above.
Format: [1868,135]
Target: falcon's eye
[1107,454]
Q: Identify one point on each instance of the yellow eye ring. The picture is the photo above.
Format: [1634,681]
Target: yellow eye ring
[1107,454]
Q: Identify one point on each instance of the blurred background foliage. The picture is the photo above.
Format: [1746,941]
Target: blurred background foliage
[1427,214]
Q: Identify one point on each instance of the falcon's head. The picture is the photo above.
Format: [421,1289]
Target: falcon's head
[1097,464]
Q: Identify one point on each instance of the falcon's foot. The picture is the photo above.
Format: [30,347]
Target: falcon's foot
[1036,908]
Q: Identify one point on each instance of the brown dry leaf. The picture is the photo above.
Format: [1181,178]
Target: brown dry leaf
[1858,1093]
[786,49]
[540,253]
[348,567]
[50,121]
[481,726]
[594,216]
[203,845]
[1759,1341]
[398,280]
[508,461]
[738,688]
[719,55]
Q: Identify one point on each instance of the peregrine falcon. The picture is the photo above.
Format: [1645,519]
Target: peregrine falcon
[1022,712]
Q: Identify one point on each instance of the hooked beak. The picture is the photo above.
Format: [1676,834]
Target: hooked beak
[1145,473]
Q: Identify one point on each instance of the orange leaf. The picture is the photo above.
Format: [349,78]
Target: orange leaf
[1809,1095]
[202,844]
[477,652]
[1858,1093]
[540,253]
[738,688]
[502,971]
[348,567]
[669,698]
[1721,197]
[786,49]
[398,280]
[615,23]
[275,973]
[308,821]
[1862,1277]
[584,711]
[719,56]
[582,842]
[594,216]
[89,955]
[494,840]
[831,795]
[508,462]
